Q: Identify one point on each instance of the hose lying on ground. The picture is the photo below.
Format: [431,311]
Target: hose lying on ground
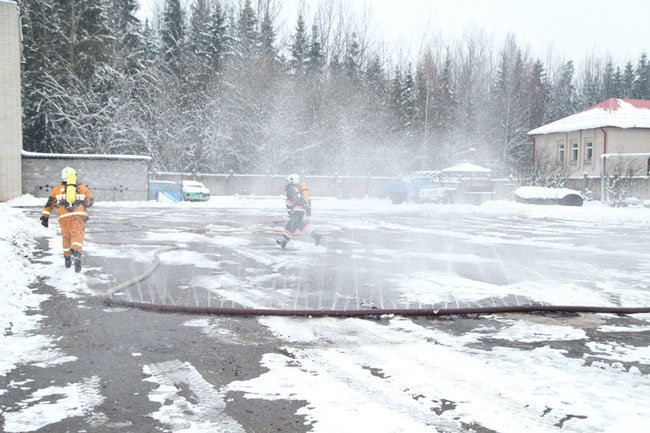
[374,312]
[144,275]
[111,301]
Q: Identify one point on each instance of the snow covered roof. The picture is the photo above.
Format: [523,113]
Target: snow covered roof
[82,156]
[466,167]
[617,113]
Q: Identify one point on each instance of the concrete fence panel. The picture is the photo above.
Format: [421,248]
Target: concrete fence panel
[110,178]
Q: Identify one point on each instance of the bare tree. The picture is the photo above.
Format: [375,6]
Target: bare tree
[544,171]
[619,181]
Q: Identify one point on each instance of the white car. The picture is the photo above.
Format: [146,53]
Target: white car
[195,191]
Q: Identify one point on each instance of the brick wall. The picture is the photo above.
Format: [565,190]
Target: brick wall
[11,138]
[110,178]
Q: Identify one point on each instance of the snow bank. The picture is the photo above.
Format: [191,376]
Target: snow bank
[27,200]
[17,240]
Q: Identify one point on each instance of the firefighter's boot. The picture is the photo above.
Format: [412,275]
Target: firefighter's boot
[68,261]
[76,258]
[281,242]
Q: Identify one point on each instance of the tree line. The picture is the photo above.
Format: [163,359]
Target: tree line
[215,88]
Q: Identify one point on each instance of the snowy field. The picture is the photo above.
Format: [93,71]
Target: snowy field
[501,373]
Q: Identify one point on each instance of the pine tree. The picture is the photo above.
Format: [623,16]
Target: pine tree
[608,89]
[642,83]
[352,62]
[173,34]
[396,86]
[444,101]
[126,32]
[246,28]
[629,81]
[217,42]
[375,80]
[267,39]
[82,36]
[198,40]
[512,108]
[408,100]
[564,94]
[591,93]
[538,94]
[335,67]
[299,47]
[315,58]
[617,84]
[38,23]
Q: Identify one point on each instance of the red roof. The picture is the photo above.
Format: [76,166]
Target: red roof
[613,104]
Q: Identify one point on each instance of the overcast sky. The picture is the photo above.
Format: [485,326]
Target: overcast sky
[573,28]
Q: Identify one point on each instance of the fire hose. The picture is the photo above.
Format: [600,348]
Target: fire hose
[111,301]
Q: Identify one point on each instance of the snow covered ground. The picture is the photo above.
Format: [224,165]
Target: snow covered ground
[502,373]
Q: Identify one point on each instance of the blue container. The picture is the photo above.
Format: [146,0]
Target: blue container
[171,189]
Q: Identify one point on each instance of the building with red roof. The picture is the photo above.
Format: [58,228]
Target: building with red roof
[611,126]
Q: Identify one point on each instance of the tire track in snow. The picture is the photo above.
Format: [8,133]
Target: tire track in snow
[204,414]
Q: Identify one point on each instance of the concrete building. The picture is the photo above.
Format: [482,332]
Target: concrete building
[11,134]
[613,126]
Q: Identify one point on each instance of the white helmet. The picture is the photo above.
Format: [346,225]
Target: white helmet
[67,171]
[293,179]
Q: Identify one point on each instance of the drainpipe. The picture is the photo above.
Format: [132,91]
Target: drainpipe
[534,145]
[603,168]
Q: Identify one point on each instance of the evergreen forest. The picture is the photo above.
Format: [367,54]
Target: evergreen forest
[218,86]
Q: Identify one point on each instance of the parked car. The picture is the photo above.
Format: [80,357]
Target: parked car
[195,191]
[418,187]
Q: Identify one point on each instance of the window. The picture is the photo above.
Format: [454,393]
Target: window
[574,152]
[560,152]
[589,150]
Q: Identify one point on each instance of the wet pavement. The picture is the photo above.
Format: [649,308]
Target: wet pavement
[228,258]
[123,358]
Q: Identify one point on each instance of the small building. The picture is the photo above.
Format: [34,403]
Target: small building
[472,183]
[614,126]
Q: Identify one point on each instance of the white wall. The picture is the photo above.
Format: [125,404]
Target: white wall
[11,134]
[618,141]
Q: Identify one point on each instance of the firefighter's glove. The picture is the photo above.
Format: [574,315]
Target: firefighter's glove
[308,211]
[45,221]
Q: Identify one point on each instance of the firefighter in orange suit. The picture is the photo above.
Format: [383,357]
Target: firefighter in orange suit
[298,206]
[71,199]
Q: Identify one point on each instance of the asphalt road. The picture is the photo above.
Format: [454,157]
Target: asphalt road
[358,264]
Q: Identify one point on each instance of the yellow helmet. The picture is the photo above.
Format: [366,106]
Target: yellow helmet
[66,171]
[293,179]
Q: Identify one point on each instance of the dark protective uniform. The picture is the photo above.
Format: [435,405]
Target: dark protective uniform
[298,205]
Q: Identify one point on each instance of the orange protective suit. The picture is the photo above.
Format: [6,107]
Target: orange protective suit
[72,219]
